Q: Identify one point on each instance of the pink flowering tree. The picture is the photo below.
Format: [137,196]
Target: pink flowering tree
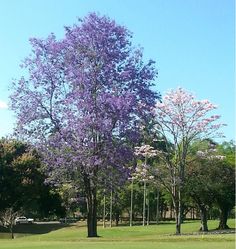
[181,120]
[143,173]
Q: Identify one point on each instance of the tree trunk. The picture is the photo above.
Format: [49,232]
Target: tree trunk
[104,211]
[157,207]
[178,223]
[192,214]
[91,197]
[144,202]
[12,233]
[223,219]
[203,214]
[117,217]
[178,213]
[171,212]
[111,202]
[148,210]
[131,203]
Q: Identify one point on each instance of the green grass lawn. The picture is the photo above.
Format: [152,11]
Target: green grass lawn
[123,237]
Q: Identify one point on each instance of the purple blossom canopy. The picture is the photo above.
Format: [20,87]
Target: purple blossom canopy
[84,96]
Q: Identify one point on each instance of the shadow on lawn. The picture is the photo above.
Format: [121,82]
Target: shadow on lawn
[35,228]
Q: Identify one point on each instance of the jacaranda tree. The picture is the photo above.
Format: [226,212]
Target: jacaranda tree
[81,102]
[180,121]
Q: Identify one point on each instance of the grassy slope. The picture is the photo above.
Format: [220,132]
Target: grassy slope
[137,237]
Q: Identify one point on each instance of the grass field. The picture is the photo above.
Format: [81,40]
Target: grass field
[123,237]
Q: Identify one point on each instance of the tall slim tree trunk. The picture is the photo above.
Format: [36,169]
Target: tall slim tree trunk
[111,204]
[223,219]
[171,212]
[144,202]
[91,197]
[104,211]
[131,203]
[178,222]
[177,201]
[178,212]
[157,210]
[192,214]
[203,214]
[148,209]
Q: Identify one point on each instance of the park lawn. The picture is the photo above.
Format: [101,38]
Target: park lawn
[125,237]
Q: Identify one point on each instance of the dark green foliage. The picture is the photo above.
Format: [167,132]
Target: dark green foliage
[210,182]
[22,184]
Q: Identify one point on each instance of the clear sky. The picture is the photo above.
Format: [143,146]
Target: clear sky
[192,42]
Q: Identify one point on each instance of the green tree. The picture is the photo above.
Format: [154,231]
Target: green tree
[199,188]
[224,187]
[22,186]
[210,179]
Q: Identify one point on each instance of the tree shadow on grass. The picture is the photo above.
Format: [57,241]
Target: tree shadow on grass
[35,228]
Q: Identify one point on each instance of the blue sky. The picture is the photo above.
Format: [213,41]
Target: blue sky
[192,42]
